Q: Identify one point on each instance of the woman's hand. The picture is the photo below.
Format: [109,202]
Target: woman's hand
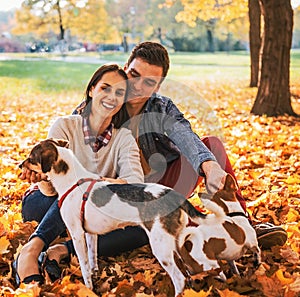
[115,180]
[32,176]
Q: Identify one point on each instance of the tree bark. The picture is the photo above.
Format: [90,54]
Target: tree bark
[273,96]
[61,27]
[254,40]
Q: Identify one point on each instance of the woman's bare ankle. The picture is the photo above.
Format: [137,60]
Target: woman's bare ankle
[57,252]
[28,258]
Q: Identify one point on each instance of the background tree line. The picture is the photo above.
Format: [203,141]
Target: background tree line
[204,26]
[270,40]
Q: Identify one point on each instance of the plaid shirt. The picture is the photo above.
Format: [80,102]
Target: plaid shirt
[98,142]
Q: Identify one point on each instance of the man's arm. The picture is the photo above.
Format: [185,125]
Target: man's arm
[215,176]
[189,143]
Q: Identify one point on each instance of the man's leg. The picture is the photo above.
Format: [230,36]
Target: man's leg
[180,176]
[215,145]
[116,242]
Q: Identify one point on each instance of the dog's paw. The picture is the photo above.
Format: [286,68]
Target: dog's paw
[95,272]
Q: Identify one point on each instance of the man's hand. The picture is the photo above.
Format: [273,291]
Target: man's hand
[31,176]
[214,175]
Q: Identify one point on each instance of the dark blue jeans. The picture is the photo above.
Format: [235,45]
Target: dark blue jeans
[45,211]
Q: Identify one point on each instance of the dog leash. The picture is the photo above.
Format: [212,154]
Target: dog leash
[85,195]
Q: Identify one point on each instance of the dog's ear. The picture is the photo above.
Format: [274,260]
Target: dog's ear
[230,184]
[49,155]
[60,142]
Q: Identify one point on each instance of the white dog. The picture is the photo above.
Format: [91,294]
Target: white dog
[225,233]
[90,206]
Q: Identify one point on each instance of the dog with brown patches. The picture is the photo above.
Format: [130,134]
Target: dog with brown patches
[91,206]
[192,241]
[225,233]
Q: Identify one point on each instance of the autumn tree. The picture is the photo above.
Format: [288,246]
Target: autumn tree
[273,97]
[212,12]
[272,69]
[91,23]
[169,32]
[128,16]
[88,19]
[41,15]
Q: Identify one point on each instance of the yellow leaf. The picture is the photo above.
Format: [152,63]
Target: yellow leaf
[293,179]
[284,280]
[4,243]
[84,291]
[254,174]
[292,215]
[28,290]
[2,229]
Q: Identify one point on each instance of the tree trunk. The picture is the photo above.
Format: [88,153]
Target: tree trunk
[210,39]
[210,25]
[254,39]
[61,27]
[273,96]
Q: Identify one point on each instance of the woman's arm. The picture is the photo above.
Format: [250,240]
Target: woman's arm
[129,164]
[115,180]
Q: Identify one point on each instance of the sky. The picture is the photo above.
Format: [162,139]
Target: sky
[6,5]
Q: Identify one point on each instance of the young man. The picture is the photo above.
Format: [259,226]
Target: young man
[160,128]
[171,153]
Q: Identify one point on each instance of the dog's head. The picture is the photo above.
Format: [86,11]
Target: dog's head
[44,156]
[223,197]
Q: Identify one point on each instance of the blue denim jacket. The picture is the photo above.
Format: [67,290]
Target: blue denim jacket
[164,130]
[165,134]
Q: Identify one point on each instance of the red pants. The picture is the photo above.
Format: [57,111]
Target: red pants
[181,176]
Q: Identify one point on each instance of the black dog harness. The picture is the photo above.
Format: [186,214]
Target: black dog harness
[237,214]
[85,195]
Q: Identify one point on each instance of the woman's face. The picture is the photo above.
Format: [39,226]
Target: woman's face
[108,95]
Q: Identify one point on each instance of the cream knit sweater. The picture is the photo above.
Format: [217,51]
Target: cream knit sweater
[118,159]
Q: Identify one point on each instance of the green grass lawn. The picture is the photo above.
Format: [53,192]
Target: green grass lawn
[52,76]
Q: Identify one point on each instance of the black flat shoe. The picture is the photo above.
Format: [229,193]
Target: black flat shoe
[50,266]
[269,235]
[28,279]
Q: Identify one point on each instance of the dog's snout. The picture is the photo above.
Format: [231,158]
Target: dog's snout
[21,164]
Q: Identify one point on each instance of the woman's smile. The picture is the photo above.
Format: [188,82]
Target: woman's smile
[108,105]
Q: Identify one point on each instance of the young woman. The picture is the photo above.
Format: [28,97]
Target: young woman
[100,144]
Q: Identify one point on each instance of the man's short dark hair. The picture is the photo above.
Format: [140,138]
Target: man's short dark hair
[153,53]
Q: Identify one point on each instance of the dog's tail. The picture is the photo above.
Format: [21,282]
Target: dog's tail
[213,207]
[193,213]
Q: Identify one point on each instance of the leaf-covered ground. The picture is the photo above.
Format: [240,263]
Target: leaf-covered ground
[266,158]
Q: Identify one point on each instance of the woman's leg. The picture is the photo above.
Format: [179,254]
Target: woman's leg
[27,261]
[37,207]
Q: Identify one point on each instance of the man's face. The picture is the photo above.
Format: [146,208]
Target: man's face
[144,80]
